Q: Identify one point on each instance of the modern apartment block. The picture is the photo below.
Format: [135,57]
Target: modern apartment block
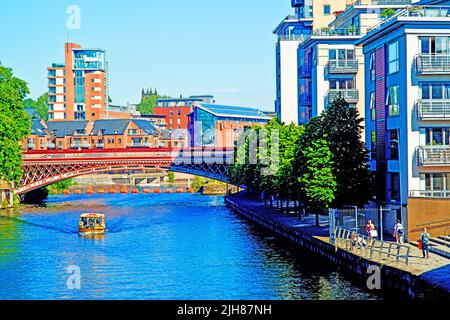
[77,89]
[407,102]
[309,15]
[330,63]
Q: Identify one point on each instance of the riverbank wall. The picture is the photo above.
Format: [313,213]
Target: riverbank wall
[429,285]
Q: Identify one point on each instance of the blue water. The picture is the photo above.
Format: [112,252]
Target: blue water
[168,246]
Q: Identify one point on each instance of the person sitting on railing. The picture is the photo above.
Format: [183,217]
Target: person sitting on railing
[354,241]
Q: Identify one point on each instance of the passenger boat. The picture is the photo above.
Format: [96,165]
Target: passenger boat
[92,223]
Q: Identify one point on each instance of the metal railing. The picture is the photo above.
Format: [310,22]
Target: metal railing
[350,95]
[433,155]
[369,247]
[433,109]
[293,37]
[432,64]
[339,32]
[391,2]
[343,66]
[139,145]
[81,145]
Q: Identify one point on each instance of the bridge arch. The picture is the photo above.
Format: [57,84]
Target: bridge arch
[43,169]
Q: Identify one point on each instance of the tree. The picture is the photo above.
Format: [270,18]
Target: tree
[317,179]
[171,176]
[40,106]
[343,128]
[149,103]
[15,125]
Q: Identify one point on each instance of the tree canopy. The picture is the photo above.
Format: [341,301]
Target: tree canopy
[40,106]
[15,125]
[149,103]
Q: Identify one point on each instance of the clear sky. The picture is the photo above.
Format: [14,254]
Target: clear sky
[225,48]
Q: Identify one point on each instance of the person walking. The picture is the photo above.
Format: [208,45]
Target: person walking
[398,232]
[371,232]
[425,239]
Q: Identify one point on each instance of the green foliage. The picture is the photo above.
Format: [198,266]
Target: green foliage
[317,179]
[60,186]
[40,106]
[343,128]
[321,164]
[387,12]
[15,125]
[171,176]
[149,103]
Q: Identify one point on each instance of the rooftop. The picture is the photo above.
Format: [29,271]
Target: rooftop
[234,111]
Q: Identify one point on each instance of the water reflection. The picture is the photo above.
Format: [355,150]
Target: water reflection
[157,247]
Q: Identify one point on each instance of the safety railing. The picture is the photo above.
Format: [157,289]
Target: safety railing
[433,155]
[430,194]
[432,64]
[350,95]
[433,109]
[343,66]
[371,247]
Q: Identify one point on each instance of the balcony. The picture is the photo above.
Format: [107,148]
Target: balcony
[433,155]
[391,2]
[80,145]
[350,95]
[139,145]
[343,66]
[293,37]
[340,32]
[304,71]
[100,145]
[431,64]
[430,194]
[31,146]
[51,146]
[433,109]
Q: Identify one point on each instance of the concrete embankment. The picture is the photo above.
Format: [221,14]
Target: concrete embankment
[421,279]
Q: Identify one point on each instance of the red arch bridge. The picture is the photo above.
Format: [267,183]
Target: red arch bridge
[42,168]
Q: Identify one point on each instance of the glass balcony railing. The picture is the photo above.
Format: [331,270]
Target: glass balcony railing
[340,32]
[343,66]
[430,194]
[433,109]
[391,2]
[432,64]
[293,37]
[433,155]
[350,95]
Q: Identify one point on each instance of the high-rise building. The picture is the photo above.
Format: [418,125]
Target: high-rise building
[407,101]
[309,15]
[78,89]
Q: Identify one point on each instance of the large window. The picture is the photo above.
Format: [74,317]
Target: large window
[342,84]
[435,45]
[437,136]
[393,101]
[373,145]
[373,110]
[341,54]
[326,10]
[394,186]
[393,144]
[372,67]
[394,58]
[435,90]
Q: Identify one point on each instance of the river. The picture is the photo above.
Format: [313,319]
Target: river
[166,246]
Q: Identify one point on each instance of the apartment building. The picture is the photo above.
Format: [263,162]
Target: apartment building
[330,63]
[78,88]
[407,103]
[98,134]
[309,15]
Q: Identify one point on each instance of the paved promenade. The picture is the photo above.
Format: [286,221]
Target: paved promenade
[435,270]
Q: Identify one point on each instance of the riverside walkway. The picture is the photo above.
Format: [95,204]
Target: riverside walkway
[434,271]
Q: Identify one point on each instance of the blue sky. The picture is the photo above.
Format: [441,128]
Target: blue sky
[224,48]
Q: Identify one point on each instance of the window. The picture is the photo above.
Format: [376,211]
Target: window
[326,10]
[394,59]
[393,101]
[372,67]
[435,91]
[373,110]
[373,145]
[394,186]
[435,45]
[393,144]
[437,136]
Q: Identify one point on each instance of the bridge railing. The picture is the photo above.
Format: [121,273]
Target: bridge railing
[177,156]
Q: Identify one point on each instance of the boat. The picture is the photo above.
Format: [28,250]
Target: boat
[92,223]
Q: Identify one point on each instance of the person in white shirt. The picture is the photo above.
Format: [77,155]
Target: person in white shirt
[398,232]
